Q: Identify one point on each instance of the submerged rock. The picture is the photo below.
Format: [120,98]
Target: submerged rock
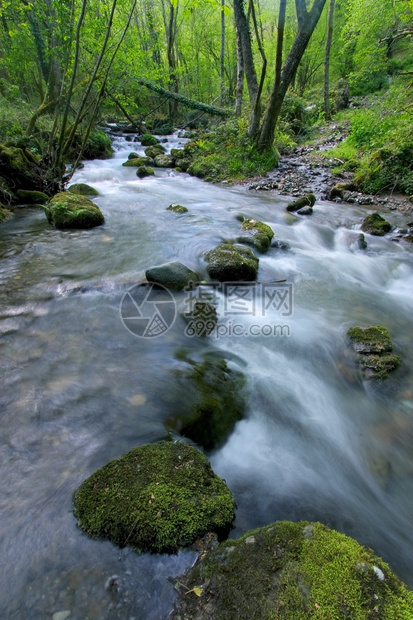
[376,225]
[144,171]
[305,211]
[66,210]
[202,319]
[158,497]
[228,263]
[293,571]
[361,242]
[177,208]
[374,346]
[83,189]
[305,201]
[218,402]
[257,234]
[173,275]
[31,197]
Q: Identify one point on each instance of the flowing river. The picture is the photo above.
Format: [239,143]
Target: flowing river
[78,389]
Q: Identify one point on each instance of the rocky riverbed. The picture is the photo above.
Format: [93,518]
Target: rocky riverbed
[308,169]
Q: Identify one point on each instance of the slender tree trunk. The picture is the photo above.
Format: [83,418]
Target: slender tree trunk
[240,79]
[307,21]
[327,109]
[249,68]
[222,58]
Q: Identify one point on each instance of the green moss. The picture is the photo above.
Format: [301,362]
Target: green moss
[148,140]
[374,346]
[228,263]
[258,234]
[5,214]
[157,497]
[154,151]
[373,339]
[31,197]
[376,225]
[305,201]
[66,210]
[177,208]
[219,402]
[83,189]
[98,146]
[379,366]
[144,171]
[293,571]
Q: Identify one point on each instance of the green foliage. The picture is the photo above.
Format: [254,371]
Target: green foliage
[380,146]
[228,153]
[157,498]
[98,146]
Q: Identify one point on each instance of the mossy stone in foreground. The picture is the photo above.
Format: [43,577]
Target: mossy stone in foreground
[83,189]
[144,171]
[228,263]
[157,497]
[376,225]
[292,571]
[67,210]
[257,234]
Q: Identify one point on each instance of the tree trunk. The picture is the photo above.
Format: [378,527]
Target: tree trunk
[240,79]
[307,21]
[222,58]
[241,24]
[327,109]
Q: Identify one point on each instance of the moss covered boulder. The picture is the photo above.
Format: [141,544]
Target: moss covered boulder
[83,189]
[228,263]
[292,571]
[145,171]
[175,208]
[375,224]
[374,348]
[174,275]
[163,161]
[339,189]
[257,234]
[154,151]
[158,497]
[32,197]
[183,164]
[67,210]
[305,201]
[135,163]
[215,401]
[148,140]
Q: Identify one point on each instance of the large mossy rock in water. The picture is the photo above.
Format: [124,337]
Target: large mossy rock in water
[376,225]
[257,234]
[148,140]
[158,497]
[175,276]
[66,210]
[145,171]
[292,571]
[374,347]
[228,263]
[215,401]
[83,189]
